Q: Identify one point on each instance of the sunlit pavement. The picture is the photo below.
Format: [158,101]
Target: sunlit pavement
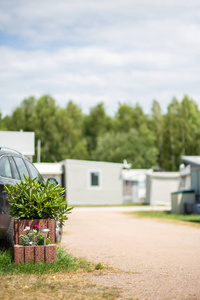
[122,208]
[157,260]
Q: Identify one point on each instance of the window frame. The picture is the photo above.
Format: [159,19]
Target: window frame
[15,156]
[39,177]
[95,187]
[13,164]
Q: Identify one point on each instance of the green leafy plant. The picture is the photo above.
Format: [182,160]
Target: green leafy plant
[99,266]
[33,237]
[30,199]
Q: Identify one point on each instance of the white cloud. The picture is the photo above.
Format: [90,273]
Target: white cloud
[91,51]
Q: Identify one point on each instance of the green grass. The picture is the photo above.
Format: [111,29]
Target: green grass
[64,263]
[65,278]
[167,215]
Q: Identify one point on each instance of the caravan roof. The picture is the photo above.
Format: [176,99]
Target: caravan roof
[192,160]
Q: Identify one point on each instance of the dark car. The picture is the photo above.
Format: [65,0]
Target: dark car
[13,167]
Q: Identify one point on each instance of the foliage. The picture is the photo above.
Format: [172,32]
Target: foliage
[23,116]
[99,266]
[180,132]
[96,124]
[30,199]
[69,124]
[45,127]
[168,215]
[128,117]
[68,133]
[33,237]
[157,126]
[115,147]
[64,263]
[63,278]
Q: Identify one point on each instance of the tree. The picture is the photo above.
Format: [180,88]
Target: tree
[95,124]
[45,128]
[67,133]
[23,116]
[172,139]
[2,122]
[128,117]
[69,122]
[181,133]
[117,146]
[124,117]
[157,126]
[189,126]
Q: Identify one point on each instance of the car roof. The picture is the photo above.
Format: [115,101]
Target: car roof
[5,150]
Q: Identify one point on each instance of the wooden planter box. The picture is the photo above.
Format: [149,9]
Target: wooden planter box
[34,253]
[24,254]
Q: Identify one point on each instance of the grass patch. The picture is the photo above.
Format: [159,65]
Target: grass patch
[64,263]
[55,286]
[65,278]
[167,215]
[99,266]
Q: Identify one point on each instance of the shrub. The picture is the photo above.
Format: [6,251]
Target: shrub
[30,199]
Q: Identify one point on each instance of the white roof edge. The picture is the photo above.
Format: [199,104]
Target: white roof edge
[194,160]
[135,174]
[49,168]
[92,162]
[165,174]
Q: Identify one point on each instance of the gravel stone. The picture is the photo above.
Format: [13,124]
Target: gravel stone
[150,259]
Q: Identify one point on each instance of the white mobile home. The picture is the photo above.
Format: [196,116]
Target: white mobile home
[134,185]
[93,183]
[97,183]
[159,187]
[105,183]
[187,197]
[194,164]
[51,170]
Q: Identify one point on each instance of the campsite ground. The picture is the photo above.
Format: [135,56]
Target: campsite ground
[148,259]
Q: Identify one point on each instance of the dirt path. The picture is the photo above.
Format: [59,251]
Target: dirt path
[156,260]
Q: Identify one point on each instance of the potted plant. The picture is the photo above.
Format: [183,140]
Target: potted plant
[36,203]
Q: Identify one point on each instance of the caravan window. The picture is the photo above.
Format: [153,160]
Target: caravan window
[95,179]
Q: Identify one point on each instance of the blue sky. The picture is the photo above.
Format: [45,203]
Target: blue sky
[107,51]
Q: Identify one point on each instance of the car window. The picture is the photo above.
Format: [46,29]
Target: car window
[34,171]
[5,169]
[21,166]
[14,168]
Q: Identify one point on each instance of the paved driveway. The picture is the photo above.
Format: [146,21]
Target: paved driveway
[158,260]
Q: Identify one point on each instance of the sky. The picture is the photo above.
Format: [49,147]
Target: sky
[89,51]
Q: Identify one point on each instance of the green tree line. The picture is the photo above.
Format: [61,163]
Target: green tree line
[149,140]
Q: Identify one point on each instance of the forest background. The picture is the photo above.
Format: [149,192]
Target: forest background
[155,140]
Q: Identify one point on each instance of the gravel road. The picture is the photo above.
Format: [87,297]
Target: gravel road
[155,260]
